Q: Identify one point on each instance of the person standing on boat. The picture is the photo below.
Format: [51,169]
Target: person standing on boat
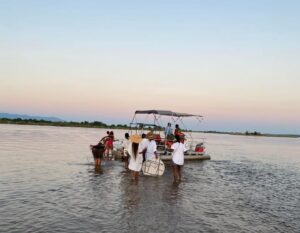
[178,149]
[125,146]
[136,158]
[169,137]
[151,148]
[177,130]
[168,130]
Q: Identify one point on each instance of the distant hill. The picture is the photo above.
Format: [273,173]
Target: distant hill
[26,117]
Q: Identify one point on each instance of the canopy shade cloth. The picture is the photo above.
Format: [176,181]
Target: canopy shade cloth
[166,113]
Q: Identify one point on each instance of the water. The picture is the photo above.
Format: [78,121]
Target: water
[47,184]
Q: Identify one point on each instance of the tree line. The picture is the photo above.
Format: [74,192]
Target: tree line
[93,124]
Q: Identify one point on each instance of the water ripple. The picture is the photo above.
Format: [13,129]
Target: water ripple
[48,185]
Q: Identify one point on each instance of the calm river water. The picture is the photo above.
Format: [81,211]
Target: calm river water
[47,184]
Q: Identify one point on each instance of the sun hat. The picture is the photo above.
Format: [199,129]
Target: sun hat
[135,138]
[150,135]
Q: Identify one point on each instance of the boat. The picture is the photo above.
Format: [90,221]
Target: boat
[154,121]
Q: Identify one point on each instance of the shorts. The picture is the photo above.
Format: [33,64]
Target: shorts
[98,152]
[126,154]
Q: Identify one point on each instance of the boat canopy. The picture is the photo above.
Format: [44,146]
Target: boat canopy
[166,113]
[157,120]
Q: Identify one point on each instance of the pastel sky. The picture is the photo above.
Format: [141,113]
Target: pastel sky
[235,62]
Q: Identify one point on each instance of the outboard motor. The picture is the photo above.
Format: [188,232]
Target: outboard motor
[200,147]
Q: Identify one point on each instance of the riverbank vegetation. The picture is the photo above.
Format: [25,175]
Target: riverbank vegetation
[87,124]
[254,133]
[99,124]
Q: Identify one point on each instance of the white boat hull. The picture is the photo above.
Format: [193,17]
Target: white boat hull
[191,156]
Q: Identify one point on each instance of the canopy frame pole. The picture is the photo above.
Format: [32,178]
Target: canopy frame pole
[132,122]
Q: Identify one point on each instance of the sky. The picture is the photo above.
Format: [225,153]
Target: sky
[237,63]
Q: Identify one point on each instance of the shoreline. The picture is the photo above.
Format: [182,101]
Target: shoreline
[101,125]
[84,124]
[254,134]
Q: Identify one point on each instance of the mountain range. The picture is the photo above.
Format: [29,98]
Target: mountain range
[22,116]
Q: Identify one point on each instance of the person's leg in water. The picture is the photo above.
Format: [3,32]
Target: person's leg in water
[174,171]
[133,175]
[109,153]
[179,172]
[106,152]
[126,161]
[136,176]
[112,154]
[97,162]
[107,149]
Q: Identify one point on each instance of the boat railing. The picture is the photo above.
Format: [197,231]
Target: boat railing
[163,143]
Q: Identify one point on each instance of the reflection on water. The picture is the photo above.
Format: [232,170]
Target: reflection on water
[48,184]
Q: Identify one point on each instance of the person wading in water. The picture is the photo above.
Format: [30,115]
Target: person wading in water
[178,149]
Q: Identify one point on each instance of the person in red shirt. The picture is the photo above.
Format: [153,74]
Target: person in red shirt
[177,130]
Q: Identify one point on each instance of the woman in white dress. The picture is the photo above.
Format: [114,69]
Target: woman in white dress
[136,157]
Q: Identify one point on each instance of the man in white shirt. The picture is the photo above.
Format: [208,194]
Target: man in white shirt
[151,148]
[143,146]
[178,149]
